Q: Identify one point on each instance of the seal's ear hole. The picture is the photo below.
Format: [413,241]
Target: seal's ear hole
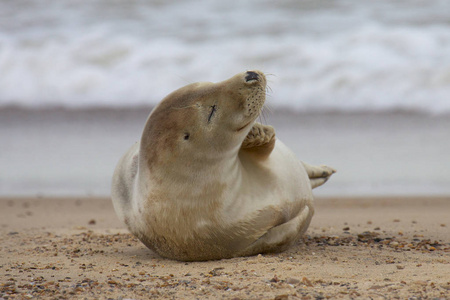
[186,136]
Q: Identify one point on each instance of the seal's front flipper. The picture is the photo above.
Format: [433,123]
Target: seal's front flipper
[260,140]
[318,174]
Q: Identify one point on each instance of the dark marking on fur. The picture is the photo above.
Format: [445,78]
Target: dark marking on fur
[213,110]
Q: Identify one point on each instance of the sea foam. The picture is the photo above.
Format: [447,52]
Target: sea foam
[321,56]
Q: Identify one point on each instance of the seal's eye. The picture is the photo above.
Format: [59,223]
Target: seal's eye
[186,136]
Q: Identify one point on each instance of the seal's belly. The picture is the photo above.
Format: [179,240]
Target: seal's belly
[269,194]
[185,241]
[290,173]
[279,183]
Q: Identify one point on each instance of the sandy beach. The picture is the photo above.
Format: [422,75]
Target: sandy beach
[76,248]
[361,86]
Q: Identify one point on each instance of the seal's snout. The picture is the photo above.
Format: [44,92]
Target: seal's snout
[251,76]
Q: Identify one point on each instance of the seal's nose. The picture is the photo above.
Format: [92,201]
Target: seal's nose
[251,76]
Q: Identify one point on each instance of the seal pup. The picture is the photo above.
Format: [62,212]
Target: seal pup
[207,182]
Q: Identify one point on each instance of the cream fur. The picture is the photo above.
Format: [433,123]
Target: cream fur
[207,182]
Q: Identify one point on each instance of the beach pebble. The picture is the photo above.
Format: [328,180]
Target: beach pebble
[421,283]
[215,271]
[306,281]
[274,279]
[292,281]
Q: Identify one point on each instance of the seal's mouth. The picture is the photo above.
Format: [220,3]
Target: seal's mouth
[255,81]
[242,128]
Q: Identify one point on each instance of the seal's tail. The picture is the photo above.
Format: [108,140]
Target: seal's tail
[318,174]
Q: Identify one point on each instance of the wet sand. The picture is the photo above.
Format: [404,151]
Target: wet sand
[380,248]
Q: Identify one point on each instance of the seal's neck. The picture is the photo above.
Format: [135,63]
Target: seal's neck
[196,175]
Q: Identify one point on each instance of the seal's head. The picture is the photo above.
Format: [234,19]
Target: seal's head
[203,121]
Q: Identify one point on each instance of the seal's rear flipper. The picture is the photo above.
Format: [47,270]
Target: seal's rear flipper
[260,140]
[318,174]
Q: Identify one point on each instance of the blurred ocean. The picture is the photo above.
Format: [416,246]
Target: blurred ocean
[363,86]
[74,152]
[340,55]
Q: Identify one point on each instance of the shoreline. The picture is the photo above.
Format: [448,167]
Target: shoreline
[355,247]
[376,154]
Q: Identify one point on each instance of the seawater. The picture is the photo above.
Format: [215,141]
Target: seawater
[74,152]
[323,56]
